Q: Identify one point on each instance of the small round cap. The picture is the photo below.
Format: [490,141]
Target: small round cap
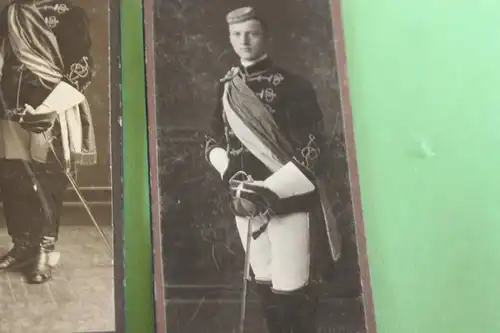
[240,15]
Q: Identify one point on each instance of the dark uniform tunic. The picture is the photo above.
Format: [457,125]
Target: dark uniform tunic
[292,101]
[19,86]
[71,28]
[25,212]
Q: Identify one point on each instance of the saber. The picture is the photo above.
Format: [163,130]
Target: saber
[70,178]
[246,277]
[54,257]
[89,212]
[80,196]
[251,211]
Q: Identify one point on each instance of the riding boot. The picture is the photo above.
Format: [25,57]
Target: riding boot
[21,254]
[274,314]
[303,308]
[42,269]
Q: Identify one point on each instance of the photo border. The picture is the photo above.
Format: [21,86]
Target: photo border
[158,272]
[116,163]
[352,164]
[349,138]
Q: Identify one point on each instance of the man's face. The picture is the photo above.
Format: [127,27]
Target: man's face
[247,39]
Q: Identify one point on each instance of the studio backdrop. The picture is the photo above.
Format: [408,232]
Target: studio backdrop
[202,251]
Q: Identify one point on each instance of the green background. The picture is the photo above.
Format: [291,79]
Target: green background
[425,89]
[139,301]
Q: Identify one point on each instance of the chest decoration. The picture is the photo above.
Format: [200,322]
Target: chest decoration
[269,108]
[268,95]
[48,12]
[79,70]
[234,146]
[51,21]
[310,153]
[236,151]
[59,8]
[275,79]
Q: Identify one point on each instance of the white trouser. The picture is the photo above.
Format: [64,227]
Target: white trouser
[280,255]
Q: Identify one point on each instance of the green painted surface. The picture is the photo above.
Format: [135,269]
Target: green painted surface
[425,89]
[139,301]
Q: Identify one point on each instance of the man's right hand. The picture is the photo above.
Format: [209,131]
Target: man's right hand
[219,160]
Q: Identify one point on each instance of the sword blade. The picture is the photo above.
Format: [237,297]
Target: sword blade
[246,276]
[38,188]
[75,187]
[89,212]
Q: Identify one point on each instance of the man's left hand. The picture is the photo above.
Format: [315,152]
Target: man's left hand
[37,121]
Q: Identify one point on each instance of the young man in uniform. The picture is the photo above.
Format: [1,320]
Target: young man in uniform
[267,142]
[45,127]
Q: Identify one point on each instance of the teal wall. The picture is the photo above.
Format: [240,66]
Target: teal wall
[425,88]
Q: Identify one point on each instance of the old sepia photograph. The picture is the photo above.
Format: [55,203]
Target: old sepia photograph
[257,222]
[56,171]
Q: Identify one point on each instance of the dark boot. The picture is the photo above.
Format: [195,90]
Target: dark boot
[42,269]
[294,312]
[303,306]
[21,254]
[274,313]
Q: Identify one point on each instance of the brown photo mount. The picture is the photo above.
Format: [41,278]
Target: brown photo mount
[275,65]
[61,251]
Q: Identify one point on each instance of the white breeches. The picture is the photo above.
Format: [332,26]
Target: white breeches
[280,255]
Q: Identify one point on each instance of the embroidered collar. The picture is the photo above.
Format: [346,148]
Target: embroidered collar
[252,70]
[258,67]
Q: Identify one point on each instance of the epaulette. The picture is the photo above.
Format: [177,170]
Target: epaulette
[230,74]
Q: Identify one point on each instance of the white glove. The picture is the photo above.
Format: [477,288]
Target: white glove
[63,97]
[218,158]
